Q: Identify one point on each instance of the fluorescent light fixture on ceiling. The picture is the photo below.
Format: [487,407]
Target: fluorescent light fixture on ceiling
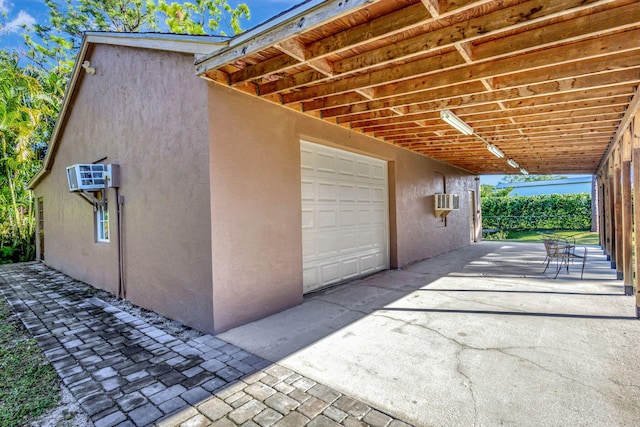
[495,151]
[456,122]
[513,163]
[523,171]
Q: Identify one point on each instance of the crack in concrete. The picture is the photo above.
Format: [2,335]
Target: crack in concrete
[474,301]
[470,386]
[346,307]
[501,350]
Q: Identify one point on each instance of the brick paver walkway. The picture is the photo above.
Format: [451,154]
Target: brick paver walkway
[125,372]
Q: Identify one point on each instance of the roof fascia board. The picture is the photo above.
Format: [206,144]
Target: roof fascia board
[632,110]
[48,158]
[167,42]
[298,20]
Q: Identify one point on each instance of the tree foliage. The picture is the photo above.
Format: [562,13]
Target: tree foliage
[487,190]
[24,107]
[54,45]
[32,93]
[507,179]
[544,212]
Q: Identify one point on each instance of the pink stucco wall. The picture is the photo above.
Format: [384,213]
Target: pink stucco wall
[211,181]
[144,110]
[256,203]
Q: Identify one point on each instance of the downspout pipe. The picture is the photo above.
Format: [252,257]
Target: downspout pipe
[122,291]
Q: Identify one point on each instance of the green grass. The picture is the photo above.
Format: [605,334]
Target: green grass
[582,237]
[29,385]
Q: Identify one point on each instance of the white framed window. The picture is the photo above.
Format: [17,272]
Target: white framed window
[102,223]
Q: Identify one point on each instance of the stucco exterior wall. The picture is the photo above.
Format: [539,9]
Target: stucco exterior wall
[144,110]
[256,202]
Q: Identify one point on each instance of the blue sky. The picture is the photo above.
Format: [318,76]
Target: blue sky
[29,12]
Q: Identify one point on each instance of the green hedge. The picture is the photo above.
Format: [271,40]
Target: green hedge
[545,212]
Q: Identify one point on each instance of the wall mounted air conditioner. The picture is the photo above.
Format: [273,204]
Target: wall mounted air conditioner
[446,203]
[86,177]
[91,177]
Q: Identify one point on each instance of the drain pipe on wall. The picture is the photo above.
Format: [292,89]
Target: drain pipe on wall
[122,290]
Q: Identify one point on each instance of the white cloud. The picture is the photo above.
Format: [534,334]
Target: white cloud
[3,6]
[16,24]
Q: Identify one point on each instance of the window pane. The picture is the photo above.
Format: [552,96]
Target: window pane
[102,223]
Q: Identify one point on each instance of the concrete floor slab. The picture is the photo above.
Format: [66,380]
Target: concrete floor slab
[479,336]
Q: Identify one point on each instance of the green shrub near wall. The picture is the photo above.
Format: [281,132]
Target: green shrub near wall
[544,212]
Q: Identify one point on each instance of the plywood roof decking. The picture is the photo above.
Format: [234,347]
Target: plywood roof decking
[547,81]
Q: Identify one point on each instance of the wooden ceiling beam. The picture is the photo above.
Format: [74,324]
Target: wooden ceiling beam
[420,46]
[414,104]
[262,69]
[584,95]
[592,66]
[617,43]
[596,24]
[466,31]
[527,114]
[387,25]
[401,79]
[559,130]
[433,121]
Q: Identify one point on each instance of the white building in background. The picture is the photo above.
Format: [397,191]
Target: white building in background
[572,185]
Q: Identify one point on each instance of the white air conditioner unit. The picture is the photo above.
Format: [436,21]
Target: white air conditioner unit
[83,177]
[446,203]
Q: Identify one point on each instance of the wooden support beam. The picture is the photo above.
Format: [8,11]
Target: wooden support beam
[593,25]
[433,7]
[293,48]
[543,113]
[627,223]
[629,115]
[635,146]
[470,29]
[601,210]
[611,238]
[617,202]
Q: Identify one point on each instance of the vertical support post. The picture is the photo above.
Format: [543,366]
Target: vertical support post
[595,217]
[602,229]
[611,235]
[617,197]
[635,143]
[627,224]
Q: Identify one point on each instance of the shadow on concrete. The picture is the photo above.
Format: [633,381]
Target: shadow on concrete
[492,267]
[523,292]
[511,313]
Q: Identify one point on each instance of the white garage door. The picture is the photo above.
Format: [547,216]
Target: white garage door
[344,215]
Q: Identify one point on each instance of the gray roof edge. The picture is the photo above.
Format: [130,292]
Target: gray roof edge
[296,20]
[563,181]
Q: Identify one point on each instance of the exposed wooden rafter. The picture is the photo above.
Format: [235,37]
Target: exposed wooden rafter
[545,80]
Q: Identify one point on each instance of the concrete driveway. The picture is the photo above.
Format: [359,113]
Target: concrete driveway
[476,337]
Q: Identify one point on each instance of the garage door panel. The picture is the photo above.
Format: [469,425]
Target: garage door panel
[327,192]
[308,219]
[350,268]
[330,273]
[363,169]
[347,218]
[327,218]
[346,166]
[378,195]
[345,225]
[328,244]
[306,158]
[309,250]
[308,190]
[326,162]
